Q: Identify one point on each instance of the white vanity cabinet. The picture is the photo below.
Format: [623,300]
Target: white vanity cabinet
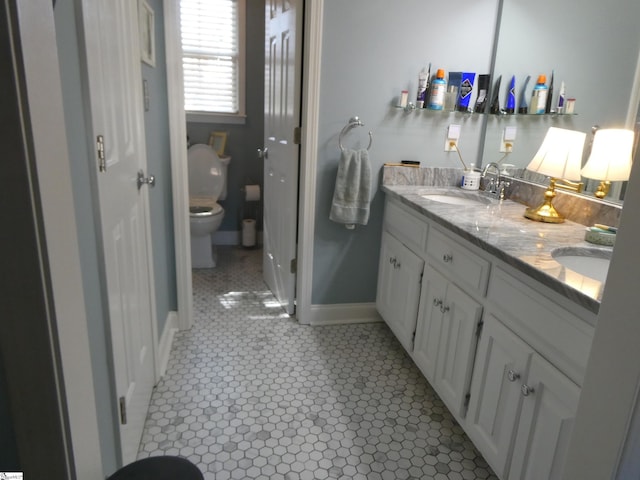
[398,292]
[506,353]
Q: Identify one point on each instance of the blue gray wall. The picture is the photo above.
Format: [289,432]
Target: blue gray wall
[243,140]
[84,184]
[156,121]
[370,52]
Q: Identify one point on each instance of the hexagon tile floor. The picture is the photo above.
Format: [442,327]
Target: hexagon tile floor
[251,394]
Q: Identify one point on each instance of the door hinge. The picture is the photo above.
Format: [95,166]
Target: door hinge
[297,135]
[123,410]
[294,265]
[467,399]
[479,328]
[102,165]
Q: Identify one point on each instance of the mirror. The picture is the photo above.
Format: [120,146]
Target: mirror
[591,46]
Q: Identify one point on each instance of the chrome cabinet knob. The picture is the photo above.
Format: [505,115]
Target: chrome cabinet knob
[526,390]
[512,376]
[263,153]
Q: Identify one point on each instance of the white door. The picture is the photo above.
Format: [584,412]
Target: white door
[114,76]
[283,28]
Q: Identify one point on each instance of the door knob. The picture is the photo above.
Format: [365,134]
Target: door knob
[263,153]
[142,180]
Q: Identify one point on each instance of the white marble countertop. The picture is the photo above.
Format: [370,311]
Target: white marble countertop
[500,229]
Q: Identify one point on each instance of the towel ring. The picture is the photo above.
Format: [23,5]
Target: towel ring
[353,123]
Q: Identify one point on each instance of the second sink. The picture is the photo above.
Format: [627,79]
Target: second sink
[590,262]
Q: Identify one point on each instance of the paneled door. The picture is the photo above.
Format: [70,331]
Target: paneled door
[117,129]
[281,153]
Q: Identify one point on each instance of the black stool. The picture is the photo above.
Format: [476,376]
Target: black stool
[159,468]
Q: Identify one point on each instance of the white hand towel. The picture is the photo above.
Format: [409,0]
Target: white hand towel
[352,192]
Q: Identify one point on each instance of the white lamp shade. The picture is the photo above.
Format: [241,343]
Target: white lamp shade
[560,155]
[610,157]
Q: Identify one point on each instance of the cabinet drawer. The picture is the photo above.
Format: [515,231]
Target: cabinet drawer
[557,334]
[406,226]
[463,266]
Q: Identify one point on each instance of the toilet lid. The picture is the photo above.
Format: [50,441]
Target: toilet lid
[206,175]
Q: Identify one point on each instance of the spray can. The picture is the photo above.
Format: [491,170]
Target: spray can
[539,96]
[438,90]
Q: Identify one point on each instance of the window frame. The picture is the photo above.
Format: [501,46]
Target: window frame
[220,117]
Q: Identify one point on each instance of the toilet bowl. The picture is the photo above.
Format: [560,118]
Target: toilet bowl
[207,185]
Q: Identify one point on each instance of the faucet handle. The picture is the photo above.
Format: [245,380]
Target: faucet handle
[504,184]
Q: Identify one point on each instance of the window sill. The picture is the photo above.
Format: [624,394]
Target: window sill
[226,118]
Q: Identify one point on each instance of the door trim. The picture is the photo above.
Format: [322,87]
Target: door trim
[69,333]
[179,173]
[311,73]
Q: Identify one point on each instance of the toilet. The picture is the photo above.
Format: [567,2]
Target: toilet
[207,185]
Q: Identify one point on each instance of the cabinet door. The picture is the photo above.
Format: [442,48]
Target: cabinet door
[432,299]
[546,421]
[398,291]
[457,348]
[502,361]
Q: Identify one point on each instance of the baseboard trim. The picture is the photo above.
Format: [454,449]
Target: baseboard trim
[231,237]
[343,314]
[166,340]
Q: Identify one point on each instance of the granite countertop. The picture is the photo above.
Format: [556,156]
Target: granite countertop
[500,229]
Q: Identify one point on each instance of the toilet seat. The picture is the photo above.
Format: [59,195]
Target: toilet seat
[199,211]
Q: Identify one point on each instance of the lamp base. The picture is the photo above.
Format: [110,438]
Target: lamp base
[545,212]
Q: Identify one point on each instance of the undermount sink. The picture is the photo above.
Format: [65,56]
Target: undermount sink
[457,198]
[590,262]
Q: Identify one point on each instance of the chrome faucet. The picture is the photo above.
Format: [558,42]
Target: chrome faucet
[493,184]
[497,184]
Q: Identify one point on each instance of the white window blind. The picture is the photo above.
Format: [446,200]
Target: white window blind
[211,55]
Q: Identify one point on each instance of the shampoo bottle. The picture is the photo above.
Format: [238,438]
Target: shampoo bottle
[438,90]
[539,96]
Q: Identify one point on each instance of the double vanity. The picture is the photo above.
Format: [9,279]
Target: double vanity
[497,314]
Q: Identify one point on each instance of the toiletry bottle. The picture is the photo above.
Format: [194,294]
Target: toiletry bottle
[438,90]
[561,99]
[423,83]
[539,96]
[494,108]
[511,97]
[547,108]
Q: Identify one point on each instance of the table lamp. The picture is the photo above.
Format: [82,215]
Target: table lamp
[610,158]
[559,157]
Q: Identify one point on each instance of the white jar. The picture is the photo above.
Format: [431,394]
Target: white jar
[471,180]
